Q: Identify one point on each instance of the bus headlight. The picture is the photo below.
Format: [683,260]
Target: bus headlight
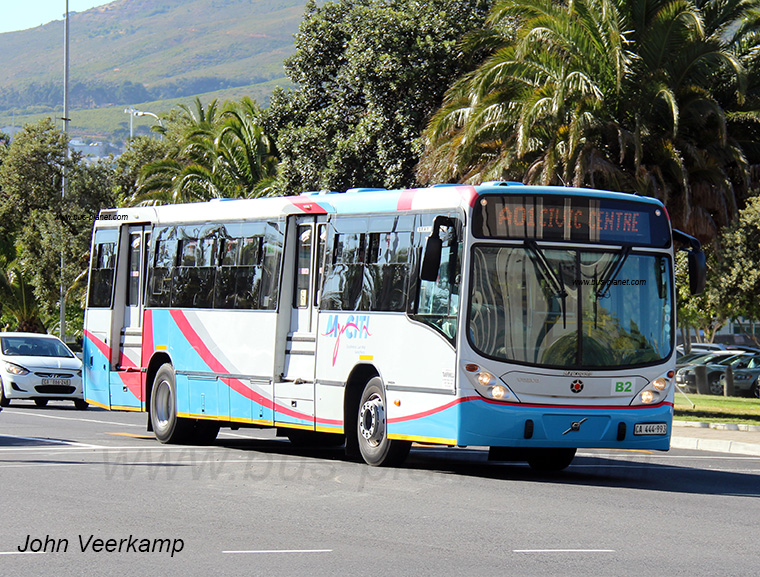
[648,397]
[660,384]
[499,392]
[488,385]
[486,379]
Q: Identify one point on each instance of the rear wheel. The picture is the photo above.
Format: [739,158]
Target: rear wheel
[40,402]
[374,445]
[167,426]
[551,459]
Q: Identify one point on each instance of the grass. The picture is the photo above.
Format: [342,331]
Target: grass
[715,409]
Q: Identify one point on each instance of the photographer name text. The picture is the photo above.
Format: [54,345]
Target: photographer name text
[93,544]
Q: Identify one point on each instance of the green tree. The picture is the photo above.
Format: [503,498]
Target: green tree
[41,223]
[617,94]
[213,154]
[18,305]
[369,74]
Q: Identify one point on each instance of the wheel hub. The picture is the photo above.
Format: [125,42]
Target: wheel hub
[372,420]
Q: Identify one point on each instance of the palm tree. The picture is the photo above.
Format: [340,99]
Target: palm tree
[617,94]
[218,155]
[18,300]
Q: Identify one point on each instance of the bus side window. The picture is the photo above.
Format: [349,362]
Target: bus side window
[101,275]
[438,301]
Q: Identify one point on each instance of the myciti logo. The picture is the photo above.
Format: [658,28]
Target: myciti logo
[354,327]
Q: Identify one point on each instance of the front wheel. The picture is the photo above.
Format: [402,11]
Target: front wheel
[81,404]
[4,401]
[755,390]
[374,445]
[716,387]
[167,426]
[41,402]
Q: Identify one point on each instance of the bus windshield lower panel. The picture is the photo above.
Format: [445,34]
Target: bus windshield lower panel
[571,309]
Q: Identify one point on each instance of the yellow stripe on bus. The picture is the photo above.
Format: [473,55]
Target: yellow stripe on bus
[418,439]
[97,404]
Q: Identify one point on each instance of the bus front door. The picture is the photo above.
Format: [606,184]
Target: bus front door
[126,380]
[294,393]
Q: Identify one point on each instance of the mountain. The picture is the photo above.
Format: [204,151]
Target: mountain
[135,51]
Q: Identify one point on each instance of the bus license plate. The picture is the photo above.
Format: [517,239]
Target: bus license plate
[58,382]
[650,429]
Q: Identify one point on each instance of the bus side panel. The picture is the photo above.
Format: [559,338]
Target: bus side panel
[415,363]
[127,395]
[205,346]
[96,355]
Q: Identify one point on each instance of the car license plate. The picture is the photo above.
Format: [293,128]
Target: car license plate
[650,429]
[59,382]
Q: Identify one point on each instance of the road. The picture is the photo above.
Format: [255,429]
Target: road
[254,505]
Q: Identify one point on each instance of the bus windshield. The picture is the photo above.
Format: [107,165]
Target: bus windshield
[569,308]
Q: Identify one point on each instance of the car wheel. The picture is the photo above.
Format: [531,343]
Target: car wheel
[374,445]
[4,401]
[551,459]
[40,402]
[81,404]
[716,387]
[755,390]
[167,426]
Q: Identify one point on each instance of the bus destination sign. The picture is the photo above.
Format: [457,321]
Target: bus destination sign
[570,218]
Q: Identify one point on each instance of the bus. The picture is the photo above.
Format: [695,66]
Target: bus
[530,320]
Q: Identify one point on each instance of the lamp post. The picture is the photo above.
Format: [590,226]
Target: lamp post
[134,113]
[65,179]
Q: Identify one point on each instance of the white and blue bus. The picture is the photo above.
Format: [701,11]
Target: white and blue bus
[530,320]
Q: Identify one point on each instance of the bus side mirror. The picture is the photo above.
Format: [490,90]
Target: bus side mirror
[697,272]
[431,260]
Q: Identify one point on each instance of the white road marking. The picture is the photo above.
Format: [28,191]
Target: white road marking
[281,551]
[53,441]
[563,550]
[33,414]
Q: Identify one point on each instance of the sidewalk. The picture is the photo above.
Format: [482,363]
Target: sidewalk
[716,437]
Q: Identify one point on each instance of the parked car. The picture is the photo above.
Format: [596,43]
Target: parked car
[39,367]
[746,379]
[716,366]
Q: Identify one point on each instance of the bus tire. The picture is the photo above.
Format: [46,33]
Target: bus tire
[551,459]
[167,426]
[374,445]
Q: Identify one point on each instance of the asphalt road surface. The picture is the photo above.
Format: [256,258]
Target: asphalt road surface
[91,493]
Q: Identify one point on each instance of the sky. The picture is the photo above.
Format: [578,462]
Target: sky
[23,14]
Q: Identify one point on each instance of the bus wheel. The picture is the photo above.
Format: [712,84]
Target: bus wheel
[375,446]
[551,459]
[167,426]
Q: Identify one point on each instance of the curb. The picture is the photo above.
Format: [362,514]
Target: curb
[716,445]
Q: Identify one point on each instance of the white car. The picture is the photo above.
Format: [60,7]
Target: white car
[39,367]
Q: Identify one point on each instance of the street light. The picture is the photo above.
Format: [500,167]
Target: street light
[134,113]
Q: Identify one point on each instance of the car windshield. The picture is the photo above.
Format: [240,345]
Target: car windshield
[570,308]
[34,347]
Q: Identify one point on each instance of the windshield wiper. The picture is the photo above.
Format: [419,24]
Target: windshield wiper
[609,275]
[557,285]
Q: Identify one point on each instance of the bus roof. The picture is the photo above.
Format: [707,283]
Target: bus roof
[353,201]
